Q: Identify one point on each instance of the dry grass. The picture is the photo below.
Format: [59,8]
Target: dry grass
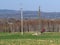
[28,42]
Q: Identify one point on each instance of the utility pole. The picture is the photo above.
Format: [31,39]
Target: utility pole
[39,17]
[39,20]
[39,12]
[21,21]
[48,24]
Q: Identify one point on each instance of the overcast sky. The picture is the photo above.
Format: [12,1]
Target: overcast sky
[45,5]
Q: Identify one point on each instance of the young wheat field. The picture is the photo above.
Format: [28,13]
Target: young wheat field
[47,38]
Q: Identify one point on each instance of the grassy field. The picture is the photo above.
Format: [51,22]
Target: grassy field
[52,38]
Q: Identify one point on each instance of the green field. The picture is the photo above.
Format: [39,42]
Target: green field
[52,38]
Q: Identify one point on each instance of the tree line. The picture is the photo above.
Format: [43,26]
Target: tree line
[31,25]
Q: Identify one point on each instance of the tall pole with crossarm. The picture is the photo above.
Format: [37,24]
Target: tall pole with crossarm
[22,21]
[39,17]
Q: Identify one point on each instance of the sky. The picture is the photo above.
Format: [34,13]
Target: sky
[32,5]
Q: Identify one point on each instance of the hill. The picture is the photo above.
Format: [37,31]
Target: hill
[27,14]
